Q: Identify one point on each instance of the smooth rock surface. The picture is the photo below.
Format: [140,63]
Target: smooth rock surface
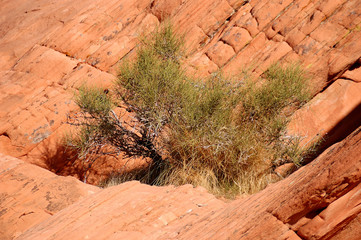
[84,42]
[30,194]
[50,48]
[318,201]
[330,115]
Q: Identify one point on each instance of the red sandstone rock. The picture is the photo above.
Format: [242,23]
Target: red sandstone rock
[311,23]
[201,65]
[338,212]
[329,114]
[245,20]
[83,36]
[295,37]
[316,202]
[237,38]
[329,33]
[246,57]
[297,11]
[354,75]
[329,6]
[220,11]
[48,49]
[29,195]
[165,9]
[132,210]
[285,169]
[348,52]
[273,213]
[349,14]
[266,11]
[220,53]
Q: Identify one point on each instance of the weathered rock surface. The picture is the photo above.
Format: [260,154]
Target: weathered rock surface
[316,202]
[68,43]
[329,116]
[131,210]
[48,49]
[319,201]
[30,194]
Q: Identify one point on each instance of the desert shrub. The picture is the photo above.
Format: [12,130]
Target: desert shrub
[219,133]
[212,140]
[100,131]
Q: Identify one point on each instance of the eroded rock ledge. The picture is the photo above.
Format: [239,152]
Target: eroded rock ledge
[319,201]
[47,49]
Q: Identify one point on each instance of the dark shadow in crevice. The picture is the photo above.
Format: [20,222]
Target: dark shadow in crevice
[307,213]
[62,161]
[315,212]
[65,161]
[5,134]
[356,65]
[332,78]
[344,128]
[341,130]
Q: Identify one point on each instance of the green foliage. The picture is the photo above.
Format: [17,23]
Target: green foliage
[93,128]
[166,44]
[217,133]
[283,87]
[93,100]
[81,141]
[153,83]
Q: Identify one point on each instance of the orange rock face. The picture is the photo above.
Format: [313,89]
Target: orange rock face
[319,201]
[49,49]
[84,42]
[30,194]
[329,116]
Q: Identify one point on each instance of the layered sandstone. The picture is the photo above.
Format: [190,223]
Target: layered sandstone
[29,195]
[69,43]
[319,201]
[49,49]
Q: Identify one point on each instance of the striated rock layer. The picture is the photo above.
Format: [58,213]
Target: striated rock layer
[49,49]
[29,194]
[320,201]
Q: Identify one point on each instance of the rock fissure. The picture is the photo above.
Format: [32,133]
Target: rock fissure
[289,232]
[79,62]
[20,58]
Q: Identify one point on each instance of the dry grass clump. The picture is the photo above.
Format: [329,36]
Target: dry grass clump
[220,134]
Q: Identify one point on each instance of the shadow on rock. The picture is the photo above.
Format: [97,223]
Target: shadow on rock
[62,160]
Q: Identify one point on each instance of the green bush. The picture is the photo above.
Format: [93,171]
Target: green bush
[218,133]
